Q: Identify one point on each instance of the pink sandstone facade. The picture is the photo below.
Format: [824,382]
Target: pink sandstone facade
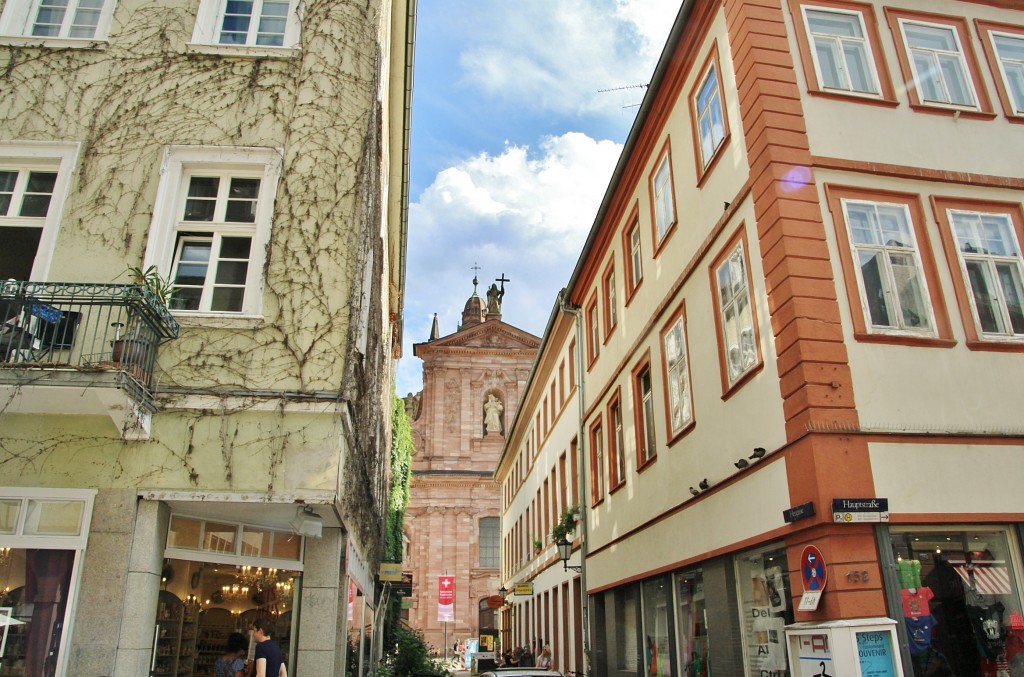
[456,452]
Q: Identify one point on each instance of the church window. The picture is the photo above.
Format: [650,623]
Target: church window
[489,551]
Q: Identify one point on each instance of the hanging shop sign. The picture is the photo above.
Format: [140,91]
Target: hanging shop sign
[856,510]
[523,589]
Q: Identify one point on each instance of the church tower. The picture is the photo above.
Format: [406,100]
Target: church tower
[472,382]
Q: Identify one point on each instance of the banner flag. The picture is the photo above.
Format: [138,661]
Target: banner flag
[446,598]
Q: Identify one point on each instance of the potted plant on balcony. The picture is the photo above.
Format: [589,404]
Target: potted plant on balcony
[130,349]
[537,546]
[566,524]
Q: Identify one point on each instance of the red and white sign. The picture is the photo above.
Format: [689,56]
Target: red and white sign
[986,580]
[446,598]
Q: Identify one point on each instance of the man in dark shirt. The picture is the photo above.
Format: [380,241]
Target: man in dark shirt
[269,662]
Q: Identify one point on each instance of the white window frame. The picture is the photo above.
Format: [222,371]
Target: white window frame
[18,20]
[42,156]
[677,369]
[181,161]
[863,41]
[989,261]
[714,141]
[735,333]
[636,270]
[1016,104]
[961,60]
[209,20]
[664,201]
[78,543]
[889,286]
[236,557]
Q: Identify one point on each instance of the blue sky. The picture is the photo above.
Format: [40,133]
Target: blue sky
[513,143]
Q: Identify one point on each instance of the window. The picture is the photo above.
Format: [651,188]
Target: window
[938,59]
[34,180]
[643,407]
[986,239]
[677,374]
[662,200]
[735,317]
[593,332]
[67,21]
[889,270]
[893,290]
[710,126]
[616,450]
[211,227]
[489,535]
[608,285]
[1004,49]
[251,26]
[597,486]
[633,257]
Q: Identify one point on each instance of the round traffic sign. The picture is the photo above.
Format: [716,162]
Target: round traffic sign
[812,569]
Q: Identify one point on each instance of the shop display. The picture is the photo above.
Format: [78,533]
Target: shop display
[175,636]
[767,609]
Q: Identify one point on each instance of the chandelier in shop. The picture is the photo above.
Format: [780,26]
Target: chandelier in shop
[5,555]
[256,577]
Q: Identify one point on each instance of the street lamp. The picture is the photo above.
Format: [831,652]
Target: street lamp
[503,592]
[565,552]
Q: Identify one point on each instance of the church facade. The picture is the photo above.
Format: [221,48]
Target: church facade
[472,384]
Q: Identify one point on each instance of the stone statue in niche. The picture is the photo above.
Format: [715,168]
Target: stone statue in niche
[492,414]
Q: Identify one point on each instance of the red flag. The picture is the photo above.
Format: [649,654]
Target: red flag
[446,598]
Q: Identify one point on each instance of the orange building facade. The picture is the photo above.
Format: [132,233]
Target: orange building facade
[797,321]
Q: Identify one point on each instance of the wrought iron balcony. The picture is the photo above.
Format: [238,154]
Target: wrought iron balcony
[80,334]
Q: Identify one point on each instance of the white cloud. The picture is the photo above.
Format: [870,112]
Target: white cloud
[524,213]
[556,56]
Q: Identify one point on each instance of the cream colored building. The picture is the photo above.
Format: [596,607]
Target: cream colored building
[799,323]
[171,469]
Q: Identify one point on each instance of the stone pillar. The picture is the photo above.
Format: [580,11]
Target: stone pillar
[97,618]
[141,589]
[322,616]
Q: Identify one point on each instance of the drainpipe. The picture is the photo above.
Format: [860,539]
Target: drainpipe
[577,313]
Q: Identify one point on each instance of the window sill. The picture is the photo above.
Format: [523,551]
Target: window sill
[704,172]
[646,464]
[905,340]
[940,109]
[682,432]
[669,232]
[618,486]
[217,321]
[1002,346]
[244,51]
[742,380]
[51,43]
[631,293]
[841,95]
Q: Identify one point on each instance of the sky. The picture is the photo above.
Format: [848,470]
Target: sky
[520,112]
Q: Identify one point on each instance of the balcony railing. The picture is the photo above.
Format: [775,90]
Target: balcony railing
[74,333]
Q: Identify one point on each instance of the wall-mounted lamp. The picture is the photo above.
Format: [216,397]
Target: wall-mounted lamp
[564,553]
[308,523]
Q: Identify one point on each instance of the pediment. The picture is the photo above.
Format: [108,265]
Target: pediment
[492,335]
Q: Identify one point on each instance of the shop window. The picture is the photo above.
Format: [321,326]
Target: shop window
[232,542]
[657,595]
[937,58]
[677,374]
[662,192]
[887,261]
[44,536]
[1003,45]
[766,607]
[983,247]
[691,629]
[625,647]
[960,600]
[735,319]
[841,50]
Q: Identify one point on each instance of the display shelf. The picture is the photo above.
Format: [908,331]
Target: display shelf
[175,633]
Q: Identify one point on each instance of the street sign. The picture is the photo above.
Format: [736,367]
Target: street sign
[812,569]
[858,510]
[798,512]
